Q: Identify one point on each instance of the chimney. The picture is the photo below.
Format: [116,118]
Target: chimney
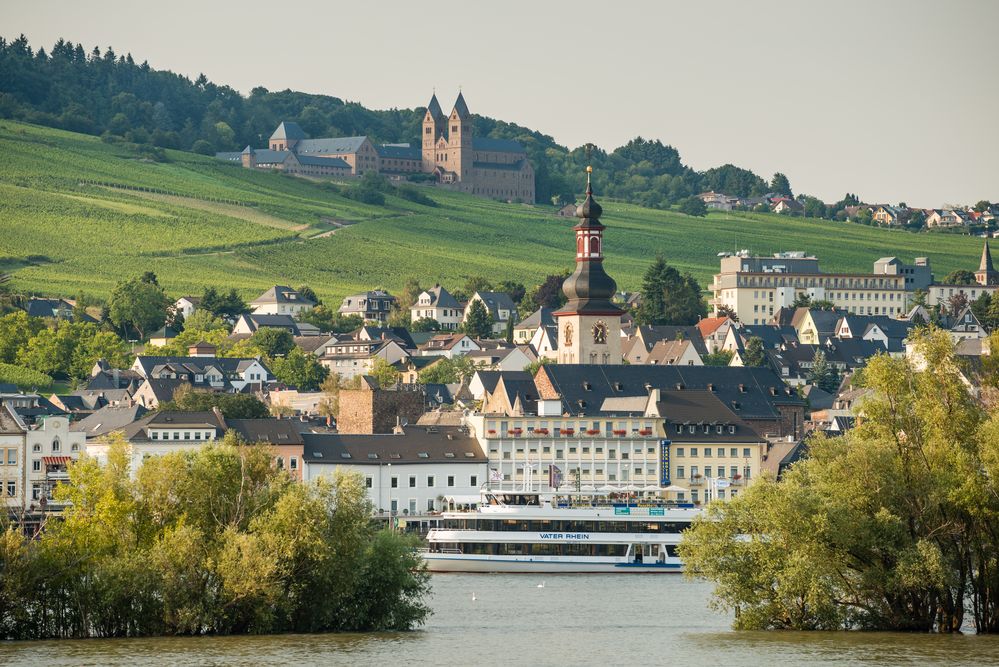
[397,429]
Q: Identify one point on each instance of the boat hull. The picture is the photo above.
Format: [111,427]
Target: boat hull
[470,563]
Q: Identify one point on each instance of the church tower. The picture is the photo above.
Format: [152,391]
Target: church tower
[434,125]
[459,139]
[589,325]
[986,273]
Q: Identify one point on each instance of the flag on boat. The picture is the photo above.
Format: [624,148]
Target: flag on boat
[494,475]
[554,476]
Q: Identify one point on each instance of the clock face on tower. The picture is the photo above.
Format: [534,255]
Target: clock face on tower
[600,333]
[568,334]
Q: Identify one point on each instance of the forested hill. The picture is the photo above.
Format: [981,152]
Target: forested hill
[112,95]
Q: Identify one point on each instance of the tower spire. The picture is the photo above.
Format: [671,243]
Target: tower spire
[986,273]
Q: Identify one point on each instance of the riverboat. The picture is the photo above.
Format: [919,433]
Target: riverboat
[531,531]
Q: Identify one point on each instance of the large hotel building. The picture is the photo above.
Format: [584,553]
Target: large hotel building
[754,288]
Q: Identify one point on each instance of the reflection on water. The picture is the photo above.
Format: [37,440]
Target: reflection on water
[581,620]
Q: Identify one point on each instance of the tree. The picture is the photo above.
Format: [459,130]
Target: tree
[479,321]
[330,320]
[16,329]
[425,324]
[547,294]
[232,406]
[718,358]
[476,284]
[980,307]
[694,206]
[533,367]
[957,303]
[908,544]
[448,371]
[668,297]
[513,289]
[983,205]
[755,354]
[386,374]
[272,341]
[780,185]
[225,306]
[960,277]
[919,297]
[822,374]
[729,312]
[299,369]
[308,293]
[138,304]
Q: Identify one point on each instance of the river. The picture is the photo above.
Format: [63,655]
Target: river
[573,620]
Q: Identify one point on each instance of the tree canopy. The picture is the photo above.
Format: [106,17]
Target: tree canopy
[668,297]
[892,526]
[212,541]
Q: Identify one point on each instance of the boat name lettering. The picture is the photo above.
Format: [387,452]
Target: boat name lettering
[564,536]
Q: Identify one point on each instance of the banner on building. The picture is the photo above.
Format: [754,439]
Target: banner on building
[664,478]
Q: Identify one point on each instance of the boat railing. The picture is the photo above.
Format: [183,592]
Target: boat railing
[428,550]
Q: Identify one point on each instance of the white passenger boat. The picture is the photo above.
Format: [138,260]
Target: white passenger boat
[531,531]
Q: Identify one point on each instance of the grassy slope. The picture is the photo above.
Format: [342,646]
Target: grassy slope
[59,236]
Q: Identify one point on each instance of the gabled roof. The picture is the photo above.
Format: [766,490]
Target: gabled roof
[289,130]
[494,301]
[439,298]
[399,151]
[108,419]
[541,317]
[330,145]
[703,408]
[752,393]
[709,325]
[418,444]
[254,322]
[281,294]
[269,431]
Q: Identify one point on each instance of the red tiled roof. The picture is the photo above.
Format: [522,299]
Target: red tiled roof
[708,325]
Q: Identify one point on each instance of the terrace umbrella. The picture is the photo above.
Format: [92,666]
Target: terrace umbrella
[587,487]
[674,488]
[607,487]
[651,487]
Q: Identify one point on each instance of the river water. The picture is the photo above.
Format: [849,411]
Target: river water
[637,619]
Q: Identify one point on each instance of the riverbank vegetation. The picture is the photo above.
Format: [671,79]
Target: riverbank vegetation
[216,541]
[893,526]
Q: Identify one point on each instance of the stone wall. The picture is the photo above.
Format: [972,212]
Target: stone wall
[368,411]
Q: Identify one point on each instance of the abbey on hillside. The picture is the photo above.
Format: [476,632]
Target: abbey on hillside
[496,168]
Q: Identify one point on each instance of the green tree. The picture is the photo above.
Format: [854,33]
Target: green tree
[780,185]
[755,355]
[822,374]
[476,284]
[272,341]
[479,321]
[718,358]
[308,293]
[16,329]
[385,373]
[535,365]
[232,406]
[299,369]
[960,277]
[138,304]
[448,371]
[425,324]
[668,297]
[330,320]
[329,405]
[983,205]
[694,206]
[889,527]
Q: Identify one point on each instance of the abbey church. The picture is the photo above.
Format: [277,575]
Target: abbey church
[457,160]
